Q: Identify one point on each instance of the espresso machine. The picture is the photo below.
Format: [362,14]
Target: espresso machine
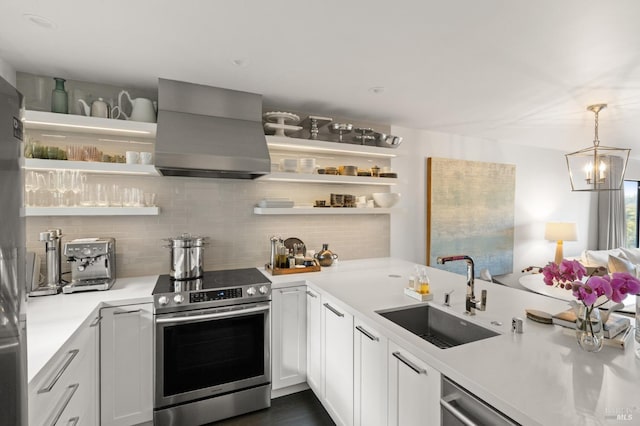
[93,264]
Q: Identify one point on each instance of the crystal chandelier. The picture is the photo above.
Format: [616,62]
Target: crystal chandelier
[597,168]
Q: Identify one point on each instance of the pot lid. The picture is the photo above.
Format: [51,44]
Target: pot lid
[187,240]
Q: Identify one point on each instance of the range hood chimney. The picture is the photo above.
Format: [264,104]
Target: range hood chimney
[209,132]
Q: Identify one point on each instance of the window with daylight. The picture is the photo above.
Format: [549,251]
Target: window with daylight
[631,207]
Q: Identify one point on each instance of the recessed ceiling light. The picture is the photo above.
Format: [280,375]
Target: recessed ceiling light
[377,89]
[40,21]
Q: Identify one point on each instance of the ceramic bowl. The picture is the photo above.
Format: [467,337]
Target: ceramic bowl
[289,165]
[385,199]
[307,165]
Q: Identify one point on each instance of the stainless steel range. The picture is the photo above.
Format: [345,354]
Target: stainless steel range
[212,341]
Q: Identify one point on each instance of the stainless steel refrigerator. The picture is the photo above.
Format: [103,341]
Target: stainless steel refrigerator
[13,338]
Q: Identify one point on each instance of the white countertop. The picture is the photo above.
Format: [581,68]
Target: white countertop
[52,320]
[539,377]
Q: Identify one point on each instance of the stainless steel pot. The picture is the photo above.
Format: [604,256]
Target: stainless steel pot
[186,253]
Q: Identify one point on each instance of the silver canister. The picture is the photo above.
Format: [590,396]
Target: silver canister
[52,239]
[186,253]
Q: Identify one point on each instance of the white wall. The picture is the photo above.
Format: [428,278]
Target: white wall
[7,72]
[543,194]
[221,209]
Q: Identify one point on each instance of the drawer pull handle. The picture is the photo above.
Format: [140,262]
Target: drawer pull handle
[366,333]
[63,403]
[334,310]
[73,421]
[409,364]
[288,292]
[70,356]
[126,312]
[310,293]
[96,321]
[457,413]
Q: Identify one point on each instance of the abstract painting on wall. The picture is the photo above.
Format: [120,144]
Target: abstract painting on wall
[470,210]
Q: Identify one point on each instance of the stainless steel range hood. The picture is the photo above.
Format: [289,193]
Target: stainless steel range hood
[209,132]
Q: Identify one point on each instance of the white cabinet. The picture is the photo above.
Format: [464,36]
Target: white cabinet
[289,336]
[369,375]
[314,342]
[126,339]
[337,348]
[65,391]
[414,390]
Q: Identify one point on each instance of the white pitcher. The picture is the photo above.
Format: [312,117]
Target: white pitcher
[142,109]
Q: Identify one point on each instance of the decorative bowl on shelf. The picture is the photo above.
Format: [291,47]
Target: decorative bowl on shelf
[387,141]
[385,199]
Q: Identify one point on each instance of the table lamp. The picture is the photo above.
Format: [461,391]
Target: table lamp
[559,232]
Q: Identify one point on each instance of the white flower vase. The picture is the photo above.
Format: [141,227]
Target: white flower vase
[589,330]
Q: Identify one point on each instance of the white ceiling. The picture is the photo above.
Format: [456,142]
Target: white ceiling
[511,70]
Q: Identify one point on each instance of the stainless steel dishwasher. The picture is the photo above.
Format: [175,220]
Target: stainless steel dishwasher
[460,407]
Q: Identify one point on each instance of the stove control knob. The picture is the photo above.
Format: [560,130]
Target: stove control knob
[163,300]
[178,298]
[263,289]
[251,291]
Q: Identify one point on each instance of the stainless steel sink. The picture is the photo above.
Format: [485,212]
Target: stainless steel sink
[437,327]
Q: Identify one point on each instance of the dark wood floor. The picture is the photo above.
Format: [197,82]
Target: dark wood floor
[298,409]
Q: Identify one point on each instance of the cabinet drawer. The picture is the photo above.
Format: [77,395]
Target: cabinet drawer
[61,380]
[78,411]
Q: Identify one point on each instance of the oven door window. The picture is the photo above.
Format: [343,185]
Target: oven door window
[211,353]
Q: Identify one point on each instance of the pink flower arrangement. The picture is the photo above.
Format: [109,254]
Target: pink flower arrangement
[569,274]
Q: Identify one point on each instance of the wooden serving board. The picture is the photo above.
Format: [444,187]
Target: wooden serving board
[288,271]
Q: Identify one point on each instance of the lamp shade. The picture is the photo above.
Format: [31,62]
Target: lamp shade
[561,231]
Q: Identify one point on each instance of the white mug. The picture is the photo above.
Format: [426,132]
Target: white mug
[145,157]
[132,157]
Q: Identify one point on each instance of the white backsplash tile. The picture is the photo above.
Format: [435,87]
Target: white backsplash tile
[223,211]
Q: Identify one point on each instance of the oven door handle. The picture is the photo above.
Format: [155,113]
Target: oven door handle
[210,316]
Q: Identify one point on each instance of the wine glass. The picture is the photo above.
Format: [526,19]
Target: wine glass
[30,187]
[61,186]
[52,189]
[75,185]
[43,196]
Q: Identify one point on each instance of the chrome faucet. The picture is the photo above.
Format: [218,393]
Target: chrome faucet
[471,304]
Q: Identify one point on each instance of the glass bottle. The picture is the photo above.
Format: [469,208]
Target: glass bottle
[59,97]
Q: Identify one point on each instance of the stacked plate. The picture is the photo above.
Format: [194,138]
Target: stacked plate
[273,203]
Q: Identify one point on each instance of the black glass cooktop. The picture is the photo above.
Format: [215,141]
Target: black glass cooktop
[212,280]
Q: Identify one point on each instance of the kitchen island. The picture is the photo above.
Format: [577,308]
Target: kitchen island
[538,377]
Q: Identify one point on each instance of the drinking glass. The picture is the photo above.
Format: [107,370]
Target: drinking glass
[101,198]
[86,199]
[150,199]
[115,196]
[133,197]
